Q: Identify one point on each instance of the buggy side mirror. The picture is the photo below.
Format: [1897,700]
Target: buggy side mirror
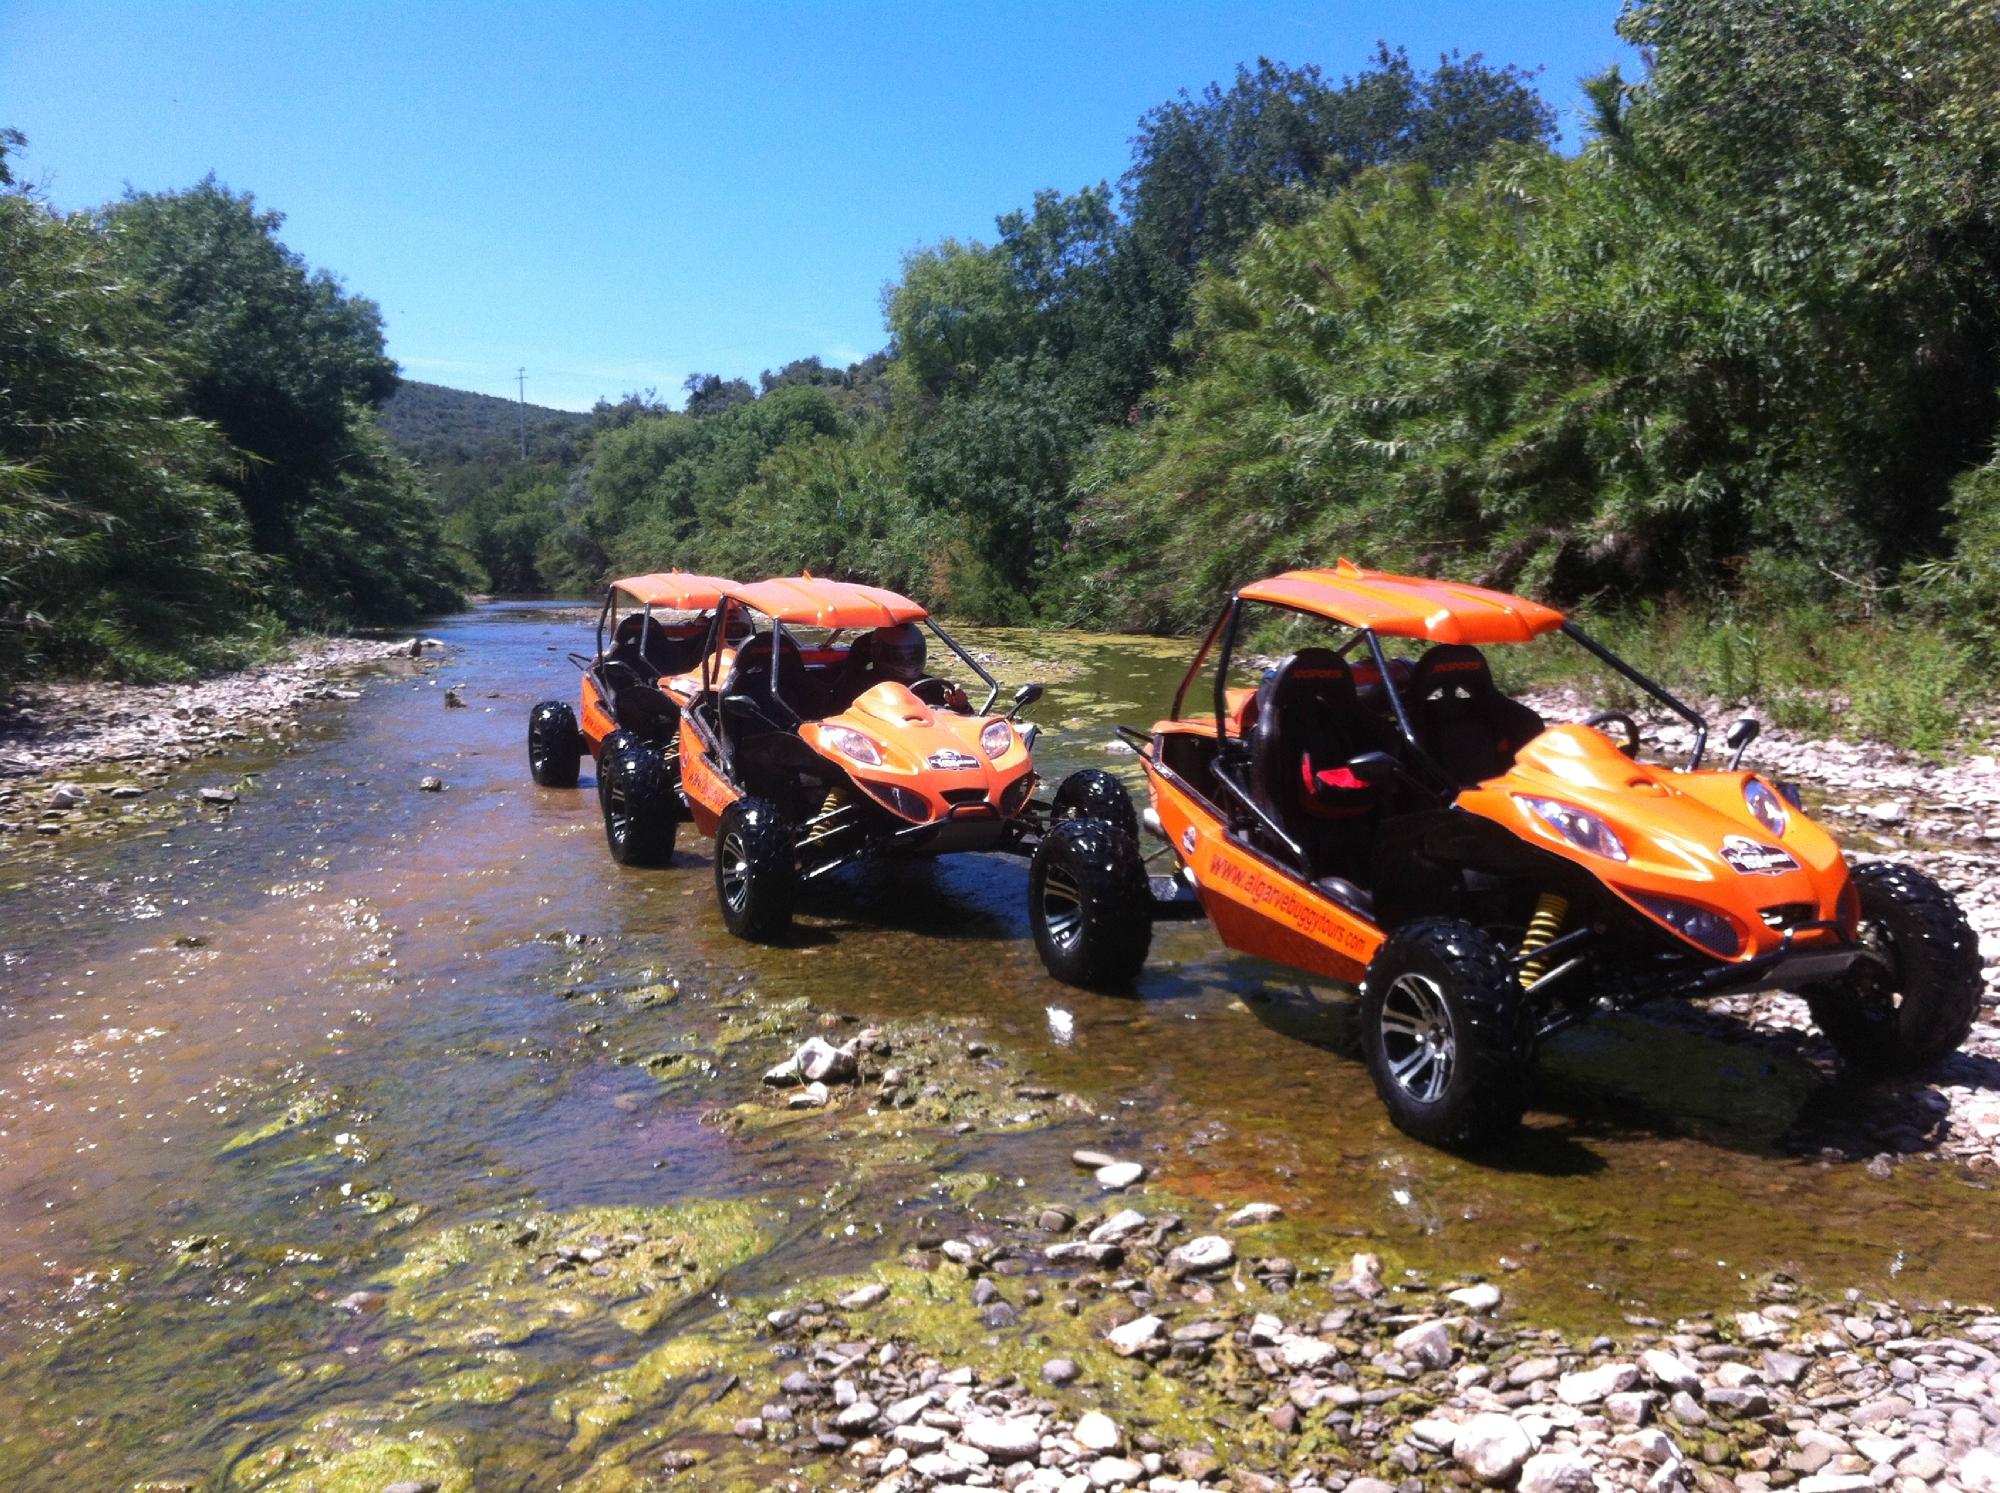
[1743,731]
[1374,768]
[1025,696]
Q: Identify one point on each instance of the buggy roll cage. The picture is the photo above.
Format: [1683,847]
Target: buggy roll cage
[604,615]
[1442,786]
[718,630]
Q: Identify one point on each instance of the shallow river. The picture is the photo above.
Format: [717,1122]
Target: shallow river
[244,1062]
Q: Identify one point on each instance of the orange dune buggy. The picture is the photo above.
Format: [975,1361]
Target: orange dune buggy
[1485,878]
[651,634]
[801,754]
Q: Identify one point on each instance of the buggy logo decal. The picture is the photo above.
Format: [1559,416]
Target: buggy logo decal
[1187,840]
[950,760]
[1753,859]
[1280,901]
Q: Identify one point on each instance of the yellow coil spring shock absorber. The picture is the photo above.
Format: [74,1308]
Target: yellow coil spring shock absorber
[1550,910]
[835,799]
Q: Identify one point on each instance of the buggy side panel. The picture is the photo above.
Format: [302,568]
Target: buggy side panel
[1257,905]
[708,792]
[595,715]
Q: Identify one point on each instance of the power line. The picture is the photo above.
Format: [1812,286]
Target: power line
[521,380]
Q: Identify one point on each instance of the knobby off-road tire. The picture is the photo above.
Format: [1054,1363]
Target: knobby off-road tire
[1093,793]
[636,793]
[756,870]
[1912,999]
[1446,1034]
[555,746]
[1089,904]
[616,742]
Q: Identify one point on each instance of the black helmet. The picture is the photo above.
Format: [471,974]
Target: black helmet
[899,652]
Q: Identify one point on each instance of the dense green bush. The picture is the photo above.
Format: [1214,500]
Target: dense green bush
[188,459]
[117,548]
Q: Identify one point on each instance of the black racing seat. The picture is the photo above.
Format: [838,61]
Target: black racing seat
[750,680]
[1309,725]
[1462,718]
[626,651]
[636,702]
[855,674]
[676,648]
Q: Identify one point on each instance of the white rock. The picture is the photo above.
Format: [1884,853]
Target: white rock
[1880,1449]
[1588,1386]
[1491,1447]
[1629,1408]
[1667,1370]
[1306,1352]
[812,1096]
[1978,1471]
[857,1417]
[1097,1432]
[1754,1326]
[1125,1221]
[1004,1440]
[1654,1446]
[862,1297]
[1478,1299]
[1557,1472]
[1364,1275]
[1138,1334]
[66,796]
[1200,1256]
[1109,1472]
[1429,1343]
[1439,1435]
[1119,1175]
[1849,1482]
[820,1061]
[1253,1213]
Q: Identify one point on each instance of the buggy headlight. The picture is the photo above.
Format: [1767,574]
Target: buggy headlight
[851,743]
[1695,923]
[1767,806]
[903,801]
[1580,827]
[996,738]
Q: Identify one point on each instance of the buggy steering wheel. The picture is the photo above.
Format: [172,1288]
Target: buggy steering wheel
[1606,717]
[933,691]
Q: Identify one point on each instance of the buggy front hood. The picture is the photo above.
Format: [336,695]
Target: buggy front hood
[1688,836]
[932,753]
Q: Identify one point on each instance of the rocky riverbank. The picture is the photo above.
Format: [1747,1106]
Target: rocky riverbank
[1205,1362]
[81,756]
[1110,1336]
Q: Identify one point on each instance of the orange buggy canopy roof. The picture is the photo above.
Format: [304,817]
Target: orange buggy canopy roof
[1407,606]
[675,590]
[806,601]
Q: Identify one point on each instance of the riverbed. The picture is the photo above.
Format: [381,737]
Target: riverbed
[257,1060]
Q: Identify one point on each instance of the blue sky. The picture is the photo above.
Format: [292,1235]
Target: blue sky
[617,196]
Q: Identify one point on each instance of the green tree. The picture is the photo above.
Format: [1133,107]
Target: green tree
[712,394]
[118,551]
[955,312]
[290,367]
[1207,172]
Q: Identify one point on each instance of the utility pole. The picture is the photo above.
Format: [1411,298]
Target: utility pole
[521,381]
